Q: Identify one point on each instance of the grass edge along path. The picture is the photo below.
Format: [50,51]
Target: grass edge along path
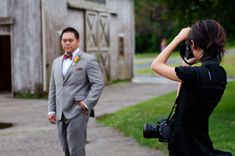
[227,62]
[130,120]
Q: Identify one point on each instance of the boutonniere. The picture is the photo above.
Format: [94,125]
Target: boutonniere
[75,60]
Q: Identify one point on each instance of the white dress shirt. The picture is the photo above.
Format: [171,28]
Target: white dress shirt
[67,62]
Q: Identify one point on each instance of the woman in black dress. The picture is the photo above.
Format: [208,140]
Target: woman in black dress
[201,87]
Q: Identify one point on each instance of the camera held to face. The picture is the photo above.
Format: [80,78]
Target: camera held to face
[160,130]
[186,51]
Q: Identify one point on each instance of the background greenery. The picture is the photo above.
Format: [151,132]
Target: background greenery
[130,120]
[155,19]
[228,63]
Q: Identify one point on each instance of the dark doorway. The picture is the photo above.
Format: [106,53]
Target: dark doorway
[5,63]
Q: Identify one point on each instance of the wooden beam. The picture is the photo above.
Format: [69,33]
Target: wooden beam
[74,4]
[6,21]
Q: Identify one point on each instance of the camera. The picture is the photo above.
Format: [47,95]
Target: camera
[160,130]
[186,51]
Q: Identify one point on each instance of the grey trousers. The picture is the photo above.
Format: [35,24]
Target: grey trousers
[72,135]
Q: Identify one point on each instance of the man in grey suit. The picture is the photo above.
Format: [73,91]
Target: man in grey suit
[76,84]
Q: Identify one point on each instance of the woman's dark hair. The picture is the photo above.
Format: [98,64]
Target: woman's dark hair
[72,30]
[210,36]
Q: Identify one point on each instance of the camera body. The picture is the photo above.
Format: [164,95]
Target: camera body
[186,51]
[160,130]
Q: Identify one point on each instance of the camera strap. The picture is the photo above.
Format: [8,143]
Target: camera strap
[170,116]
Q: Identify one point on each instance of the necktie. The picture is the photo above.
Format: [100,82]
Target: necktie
[70,56]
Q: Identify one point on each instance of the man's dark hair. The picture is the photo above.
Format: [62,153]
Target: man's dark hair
[72,30]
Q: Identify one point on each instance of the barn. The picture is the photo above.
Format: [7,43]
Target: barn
[29,39]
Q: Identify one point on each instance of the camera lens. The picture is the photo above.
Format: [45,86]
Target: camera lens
[151,131]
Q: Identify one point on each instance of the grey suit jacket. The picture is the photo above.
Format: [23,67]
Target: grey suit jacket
[82,82]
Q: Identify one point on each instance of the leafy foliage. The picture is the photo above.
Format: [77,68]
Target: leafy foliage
[150,24]
[164,18]
[188,12]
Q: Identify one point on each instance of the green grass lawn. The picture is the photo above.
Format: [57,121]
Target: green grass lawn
[130,120]
[154,54]
[228,63]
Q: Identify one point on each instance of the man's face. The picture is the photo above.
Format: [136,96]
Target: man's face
[69,42]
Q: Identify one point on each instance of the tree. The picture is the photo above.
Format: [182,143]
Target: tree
[164,18]
[150,24]
[190,11]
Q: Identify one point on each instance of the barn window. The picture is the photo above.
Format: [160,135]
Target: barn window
[121,47]
[97,1]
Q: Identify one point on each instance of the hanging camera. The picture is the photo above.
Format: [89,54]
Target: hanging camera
[160,130]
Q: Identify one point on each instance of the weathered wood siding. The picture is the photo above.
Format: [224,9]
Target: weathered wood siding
[120,24]
[26,58]
[113,36]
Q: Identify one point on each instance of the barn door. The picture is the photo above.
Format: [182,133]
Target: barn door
[5,63]
[98,39]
